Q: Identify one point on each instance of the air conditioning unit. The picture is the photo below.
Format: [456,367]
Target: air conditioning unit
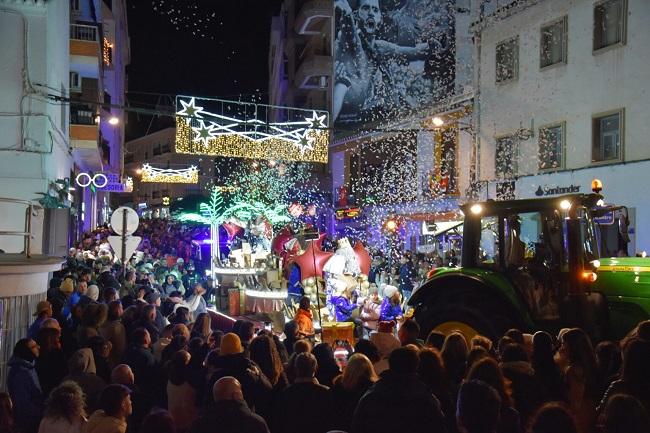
[75,82]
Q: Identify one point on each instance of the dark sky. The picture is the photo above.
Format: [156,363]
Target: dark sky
[216,48]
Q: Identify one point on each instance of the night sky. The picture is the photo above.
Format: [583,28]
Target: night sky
[197,47]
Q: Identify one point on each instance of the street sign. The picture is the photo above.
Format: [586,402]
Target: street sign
[130,245]
[117,221]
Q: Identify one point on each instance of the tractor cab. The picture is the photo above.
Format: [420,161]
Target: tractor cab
[523,263]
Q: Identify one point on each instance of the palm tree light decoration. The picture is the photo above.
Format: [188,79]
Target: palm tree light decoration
[214,214]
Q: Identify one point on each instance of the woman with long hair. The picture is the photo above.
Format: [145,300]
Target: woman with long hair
[327,367]
[635,377]
[580,377]
[431,371]
[454,354]
[202,327]
[349,387]
[264,353]
[547,372]
[488,371]
[64,410]
[181,395]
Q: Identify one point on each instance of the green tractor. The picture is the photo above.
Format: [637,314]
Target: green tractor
[531,264]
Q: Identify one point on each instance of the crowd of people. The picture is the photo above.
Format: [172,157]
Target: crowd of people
[138,351]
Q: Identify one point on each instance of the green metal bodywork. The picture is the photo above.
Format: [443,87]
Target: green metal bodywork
[625,282]
[494,279]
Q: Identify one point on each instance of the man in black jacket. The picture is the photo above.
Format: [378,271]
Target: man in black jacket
[399,401]
[305,402]
[230,413]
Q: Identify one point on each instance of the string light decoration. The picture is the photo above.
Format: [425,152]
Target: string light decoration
[246,130]
[165,175]
[128,184]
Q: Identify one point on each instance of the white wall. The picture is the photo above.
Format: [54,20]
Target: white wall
[589,83]
[45,131]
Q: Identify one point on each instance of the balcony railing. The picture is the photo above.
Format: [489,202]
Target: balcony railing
[82,32]
[82,115]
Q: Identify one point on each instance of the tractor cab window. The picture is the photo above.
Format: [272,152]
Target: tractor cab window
[531,243]
[488,251]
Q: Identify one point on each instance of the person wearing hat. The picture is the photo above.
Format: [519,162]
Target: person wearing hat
[370,309]
[43,312]
[232,361]
[391,310]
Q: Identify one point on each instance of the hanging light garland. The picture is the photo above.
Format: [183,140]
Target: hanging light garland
[165,175]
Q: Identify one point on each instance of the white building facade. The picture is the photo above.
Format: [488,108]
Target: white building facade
[563,99]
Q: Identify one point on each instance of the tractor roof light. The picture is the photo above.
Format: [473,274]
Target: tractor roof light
[565,205]
[476,209]
[596,186]
[595,263]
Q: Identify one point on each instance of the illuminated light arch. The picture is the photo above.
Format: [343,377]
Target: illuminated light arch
[165,175]
[245,130]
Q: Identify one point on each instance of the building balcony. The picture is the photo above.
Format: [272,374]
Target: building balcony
[85,50]
[314,72]
[84,135]
[313,16]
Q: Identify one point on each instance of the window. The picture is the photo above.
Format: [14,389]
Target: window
[553,43]
[74,5]
[75,81]
[607,137]
[507,60]
[551,147]
[505,158]
[488,251]
[609,23]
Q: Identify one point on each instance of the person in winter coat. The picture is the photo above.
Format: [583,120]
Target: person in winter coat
[343,309]
[391,310]
[113,330]
[181,393]
[84,372]
[304,318]
[23,386]
[357,378]
[140,358]
[115,408]
[232,361]
[399,391]
[43,312]
[230,413]
[294,407]
[370,309]
[65,411]
[51,364]
[386,342]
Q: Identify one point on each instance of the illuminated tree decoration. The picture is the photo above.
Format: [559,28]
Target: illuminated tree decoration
[247,130]
[165,175]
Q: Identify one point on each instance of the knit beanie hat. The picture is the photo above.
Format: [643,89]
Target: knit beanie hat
[230,344]
[93,292]
[389,291]
[67,286]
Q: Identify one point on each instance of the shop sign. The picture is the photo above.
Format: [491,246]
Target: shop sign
[544,190]
[605,220]
[348,212]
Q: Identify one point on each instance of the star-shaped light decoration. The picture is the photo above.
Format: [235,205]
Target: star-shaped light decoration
[306,260]
[190,109]
[306,141]
[316,121]
[204,132]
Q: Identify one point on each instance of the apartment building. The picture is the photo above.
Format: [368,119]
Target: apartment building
[99,54]
[563,100]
